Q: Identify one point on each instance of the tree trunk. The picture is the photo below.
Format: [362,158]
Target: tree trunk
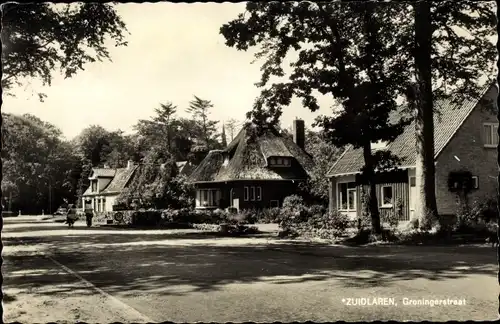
[369,174]
[426,207]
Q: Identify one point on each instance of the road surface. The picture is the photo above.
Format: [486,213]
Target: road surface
[52,273]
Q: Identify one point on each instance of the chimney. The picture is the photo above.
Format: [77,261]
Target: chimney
[130,164]
[299,133]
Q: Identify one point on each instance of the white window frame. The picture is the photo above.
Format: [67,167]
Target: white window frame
[382,198]
[339,197]
[475,182]
[258,194]
[211,195]
[276,202]
[245,193]
[493,134]
[252,194]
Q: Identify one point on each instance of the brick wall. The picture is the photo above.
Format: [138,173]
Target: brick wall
[468,146]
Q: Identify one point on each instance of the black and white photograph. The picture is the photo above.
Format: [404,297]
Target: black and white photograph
[274,161]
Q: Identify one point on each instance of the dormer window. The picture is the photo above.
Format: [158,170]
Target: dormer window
[94,185]
[279,162]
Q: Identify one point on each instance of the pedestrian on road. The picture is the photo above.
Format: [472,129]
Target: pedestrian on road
[89,215]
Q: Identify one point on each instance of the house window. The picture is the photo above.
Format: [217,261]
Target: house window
[245,194]
[208,197]
[279,162]
[275,203]
[103,204]
[475,182]
[252,193]
[386,196]
[347,196]
[94,185]
[259,193]
[490,134]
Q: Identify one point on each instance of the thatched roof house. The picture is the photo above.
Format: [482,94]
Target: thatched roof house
[254,171]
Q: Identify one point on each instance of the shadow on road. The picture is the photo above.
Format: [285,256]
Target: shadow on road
[182,263]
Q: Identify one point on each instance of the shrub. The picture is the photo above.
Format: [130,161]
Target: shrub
[325,226]
[187,215]
[293,211]
[414,223]
[391,217]
[268,215]
[293,201]
[316,210]
[147,218]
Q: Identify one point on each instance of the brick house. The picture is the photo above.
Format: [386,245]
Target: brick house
[253,172]
[465,140]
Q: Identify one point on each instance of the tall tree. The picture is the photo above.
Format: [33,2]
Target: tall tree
[453,54]
[93,144]
[160,125]
[231,125]
[200,110]
[38,38]
[345,50]
[37,164]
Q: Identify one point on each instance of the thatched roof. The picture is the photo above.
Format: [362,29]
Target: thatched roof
[246,158]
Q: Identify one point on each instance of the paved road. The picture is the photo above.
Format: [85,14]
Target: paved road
[105,275]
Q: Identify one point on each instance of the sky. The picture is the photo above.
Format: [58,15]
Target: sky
[174,51]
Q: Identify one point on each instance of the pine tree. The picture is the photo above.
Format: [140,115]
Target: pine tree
[200,110]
